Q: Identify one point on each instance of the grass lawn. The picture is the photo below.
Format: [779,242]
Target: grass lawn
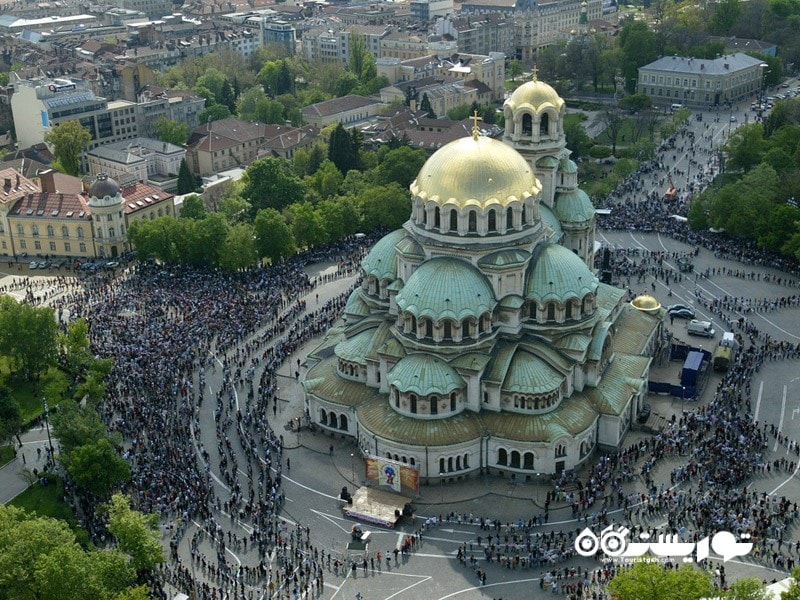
[47,501]
[6,454]
[30,403]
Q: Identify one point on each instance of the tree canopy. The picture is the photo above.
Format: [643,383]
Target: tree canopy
[69,139]
[653,581]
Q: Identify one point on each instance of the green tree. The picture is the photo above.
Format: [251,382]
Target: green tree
[172,132]
[326,180]
[75,344]
[514,69]
[425,105]
[308,228]
[214,81]
[341,150]
[270,183]
[193,208]
[97,468]
[750,588]
[400,165]
[362,61]
[239,249]
[273,237]
[205,239]
[638,47]
[136,533]
[385,206]
[652,581]
[340,216]
[69,140]
[186,181]
[28,336]
[726,13]
[217,112]
[577,139]
[745,147]
[75,426]
[635,103]
[793,593]
[10,419]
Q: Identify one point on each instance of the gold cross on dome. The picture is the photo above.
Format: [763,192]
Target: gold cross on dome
[535,73]
[476,131]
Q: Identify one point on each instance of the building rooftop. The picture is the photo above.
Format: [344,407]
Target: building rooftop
[697,66]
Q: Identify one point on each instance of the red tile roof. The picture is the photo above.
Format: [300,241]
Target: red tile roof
[137,195]
[40,205]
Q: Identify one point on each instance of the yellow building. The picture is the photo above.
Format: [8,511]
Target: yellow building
[91,224]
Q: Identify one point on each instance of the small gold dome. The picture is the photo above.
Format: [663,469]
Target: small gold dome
[537,94]
[476,172]
[646,303]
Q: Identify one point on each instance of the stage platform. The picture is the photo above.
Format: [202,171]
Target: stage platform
[375,506]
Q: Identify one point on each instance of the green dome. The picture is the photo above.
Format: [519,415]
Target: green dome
[547,162]
[550,219]
[355,348]
[574,206]
[559,274]
[382,259]
[424,374]
[568,166]
[356,306]
[410,247]
[446,288]
[505,258]
[529,374]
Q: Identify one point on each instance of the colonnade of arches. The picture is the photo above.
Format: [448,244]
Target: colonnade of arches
[452,464]
[445,330]
[553,311]
[333,420]
[433,404]
[542,402]
[474,220]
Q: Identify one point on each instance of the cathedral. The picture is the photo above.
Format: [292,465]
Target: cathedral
[480,339]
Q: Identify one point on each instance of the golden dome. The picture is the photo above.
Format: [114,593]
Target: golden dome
[646,303]
[537,94]
[475,171]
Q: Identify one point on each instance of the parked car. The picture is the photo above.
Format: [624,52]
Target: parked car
[33,265]
[45,264]
[681,310]
[111,265]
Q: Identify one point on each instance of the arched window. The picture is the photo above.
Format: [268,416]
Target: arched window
[527,461]
[404,459]
[466,329]
[389,455]
[532,310]
[492,227]
[441,465]
[111,232]
[473,222]
[551,311]
[413,399]
[524,217]
[568,311]
[502,457]
[450,464]
[448,330]
[80,233]
[452,401]
[35,229]
[561,451]
[527,125]
[413,324]
[544,125]
[437,218]
[64,231]
[509,218]
[453,220]
[343,422]
[434,405]
[323,416]
[424,216]
[428,328]
[412,461]
[514,460]
[466,461]
[396,398]
[50,231]
[458,463]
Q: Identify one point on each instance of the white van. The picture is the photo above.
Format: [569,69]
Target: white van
[729,340]
[676,107]
[703,328]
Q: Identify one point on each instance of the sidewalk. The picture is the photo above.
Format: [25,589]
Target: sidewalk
[17,475]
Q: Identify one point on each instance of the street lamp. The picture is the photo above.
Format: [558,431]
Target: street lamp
[47,426]
[353,467]
[441,484]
